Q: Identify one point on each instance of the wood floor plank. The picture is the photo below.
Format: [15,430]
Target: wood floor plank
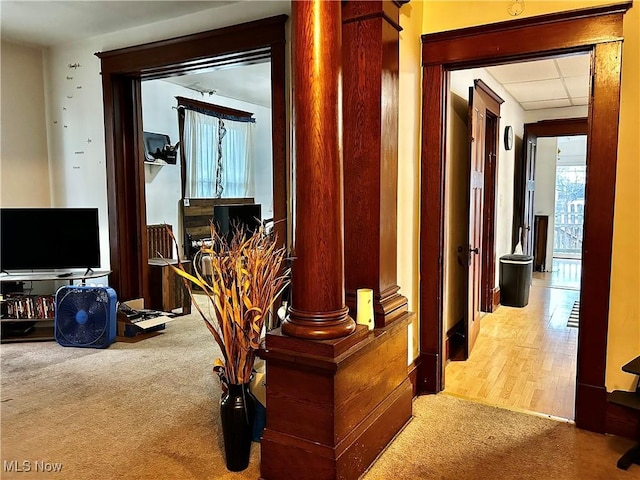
[524,358]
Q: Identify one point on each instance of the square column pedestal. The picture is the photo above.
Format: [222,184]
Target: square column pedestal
[334,405]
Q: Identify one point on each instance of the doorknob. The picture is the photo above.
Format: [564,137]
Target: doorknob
[473,250]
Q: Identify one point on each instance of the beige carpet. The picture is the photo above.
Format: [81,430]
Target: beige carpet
[149,410]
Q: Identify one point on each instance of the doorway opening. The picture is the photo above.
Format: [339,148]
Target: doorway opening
[246,159]
[122,73]
[513,343]
[597,30]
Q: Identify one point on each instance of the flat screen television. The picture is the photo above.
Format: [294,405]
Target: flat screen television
[227,217]
[49,238]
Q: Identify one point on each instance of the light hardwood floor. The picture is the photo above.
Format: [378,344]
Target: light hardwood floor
[524,358]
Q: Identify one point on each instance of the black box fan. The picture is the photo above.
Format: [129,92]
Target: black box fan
[85,316]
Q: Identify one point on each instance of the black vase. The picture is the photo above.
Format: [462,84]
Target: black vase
[237,411]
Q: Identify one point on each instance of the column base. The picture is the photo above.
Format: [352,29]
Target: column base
[318,325]
[329,416]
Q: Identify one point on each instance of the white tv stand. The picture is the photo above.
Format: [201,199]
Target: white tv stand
[42,276]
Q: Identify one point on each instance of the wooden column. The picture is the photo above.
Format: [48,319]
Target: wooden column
[370,104]
[335,399]
[318,309]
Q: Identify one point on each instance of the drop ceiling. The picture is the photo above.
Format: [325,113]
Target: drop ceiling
[550,83]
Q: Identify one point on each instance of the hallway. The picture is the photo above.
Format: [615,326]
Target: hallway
[525,358]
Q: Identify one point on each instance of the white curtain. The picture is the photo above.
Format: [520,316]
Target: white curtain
[201,151]
[234,170]
[237,159]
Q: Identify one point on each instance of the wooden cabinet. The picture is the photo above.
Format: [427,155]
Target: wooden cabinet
[166,289]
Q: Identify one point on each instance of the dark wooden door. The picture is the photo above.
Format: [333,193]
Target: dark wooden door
[477,130]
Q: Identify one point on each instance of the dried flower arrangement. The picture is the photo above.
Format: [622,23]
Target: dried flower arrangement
[247,276]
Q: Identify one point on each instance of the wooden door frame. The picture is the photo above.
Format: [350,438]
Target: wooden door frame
[122,72]
[544,128]
[597,30]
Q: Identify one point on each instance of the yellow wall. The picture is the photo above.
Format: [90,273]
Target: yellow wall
[624,314]
[409,162]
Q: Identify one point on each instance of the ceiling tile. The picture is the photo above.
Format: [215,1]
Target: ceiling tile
[577,86]
[534,91]
[574,65]
[580,100]
[524,72]
[563,102]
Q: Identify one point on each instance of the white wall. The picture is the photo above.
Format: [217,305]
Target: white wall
[532,116]
[24,165]
[456,216]
[162,183]
[79,179]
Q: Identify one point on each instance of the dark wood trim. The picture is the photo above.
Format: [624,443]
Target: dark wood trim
[279,130]
[430,373]
[122,72]
[581,29]
[213,107]
[496,99]
[598,30]
[559,127]
[431,248]
[223,61]
[361,11]
[412,373]
[454,348]
[174,55]
[602,156]
[591,405]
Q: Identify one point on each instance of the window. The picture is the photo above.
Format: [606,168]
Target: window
[218,151]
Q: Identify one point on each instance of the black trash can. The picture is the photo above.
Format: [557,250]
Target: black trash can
[515,279]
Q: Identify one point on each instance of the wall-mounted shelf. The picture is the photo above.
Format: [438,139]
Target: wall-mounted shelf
[156,163]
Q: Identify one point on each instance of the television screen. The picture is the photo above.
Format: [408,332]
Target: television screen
[227,217]
[49,238]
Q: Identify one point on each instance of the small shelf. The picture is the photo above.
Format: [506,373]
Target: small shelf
[156,163]
[14,320]
[42,330]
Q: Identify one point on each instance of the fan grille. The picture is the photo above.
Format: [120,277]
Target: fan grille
[85,317]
